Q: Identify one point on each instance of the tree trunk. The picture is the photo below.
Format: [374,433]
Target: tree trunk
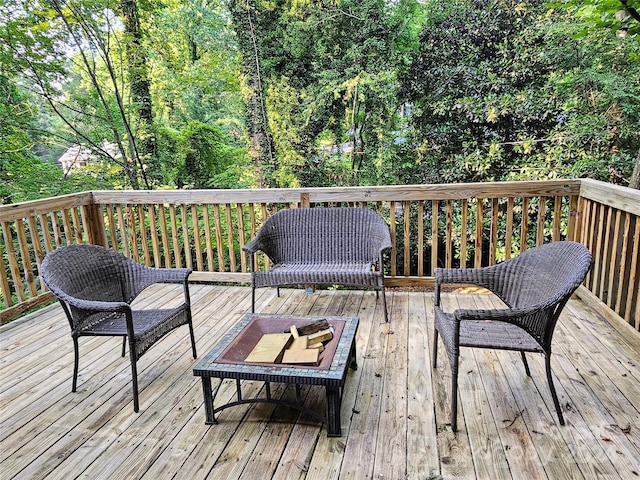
[635,176]
[261,148]
[140,87]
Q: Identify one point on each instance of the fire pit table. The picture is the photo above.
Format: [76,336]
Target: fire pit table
[226,361]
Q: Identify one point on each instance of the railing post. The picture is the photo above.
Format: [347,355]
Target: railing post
[305,201]
[574,230]
[95,224]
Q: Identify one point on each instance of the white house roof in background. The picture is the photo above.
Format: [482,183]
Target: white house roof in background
[80,155]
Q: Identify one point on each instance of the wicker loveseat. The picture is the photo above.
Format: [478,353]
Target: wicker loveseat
[312,246]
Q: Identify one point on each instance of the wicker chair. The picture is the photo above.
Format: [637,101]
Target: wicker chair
[535,286]
[96,286]
[310,246]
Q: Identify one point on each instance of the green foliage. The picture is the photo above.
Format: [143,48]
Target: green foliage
[194,66]
[348,92]
[508,91]
[330,70]
[199,156]
[613,15]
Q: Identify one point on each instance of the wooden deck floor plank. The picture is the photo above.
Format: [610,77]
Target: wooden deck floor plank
[535,407]
[196,436]
[241,445]
[454,449]
[600,447]
[308,434]
[422,451]
[23,341]
[103,397]
[43,336]
[275,437]
[559,460]
[363,430]
[592,385]
[587,451]
[609,349]
[47,432]
[609,375]
[233,461]
[327,460]
[513,436]
[538,412]
[608,388]
[53,394]
[210,450]
[283,431]
[523,459]
[301,443]
[157,401]
[391,448]
[60,362]
[489,458]
[55,347]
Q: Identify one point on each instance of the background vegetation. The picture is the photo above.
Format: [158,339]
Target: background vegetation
[278,93]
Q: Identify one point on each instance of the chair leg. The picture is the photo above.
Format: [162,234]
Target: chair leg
[124,345]
[554,395]
[434,354]
[193,339]
[384,305]
[134,380]
[526,365]
[454,396]
[76,360]
[253,299]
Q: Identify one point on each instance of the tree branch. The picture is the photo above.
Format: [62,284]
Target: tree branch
[633,13]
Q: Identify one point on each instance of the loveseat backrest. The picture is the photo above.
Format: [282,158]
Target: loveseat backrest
[324,235]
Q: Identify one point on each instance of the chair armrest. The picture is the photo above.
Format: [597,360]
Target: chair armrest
[254,245]
[170,275]
[94,305]
[483,277]
[474,276]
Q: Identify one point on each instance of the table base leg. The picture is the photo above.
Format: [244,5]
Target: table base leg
[334,402]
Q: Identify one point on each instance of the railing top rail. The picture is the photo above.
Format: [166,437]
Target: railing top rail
[622,198]
[15,211]
[345,194]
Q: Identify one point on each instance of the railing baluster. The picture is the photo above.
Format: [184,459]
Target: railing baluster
[406,213]
[434,236]
[230,239]
[196,237]
[207,235]
[508,245]
[463,233]
[420,237]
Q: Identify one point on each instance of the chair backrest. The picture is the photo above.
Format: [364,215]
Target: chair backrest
[325,234]
[547,274]
[91,272]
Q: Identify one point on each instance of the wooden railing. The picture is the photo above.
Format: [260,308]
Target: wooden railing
[431,225]
[610,227]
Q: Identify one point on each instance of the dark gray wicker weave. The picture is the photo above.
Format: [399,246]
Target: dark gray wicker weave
[535,286]
[339,246]
[95,287]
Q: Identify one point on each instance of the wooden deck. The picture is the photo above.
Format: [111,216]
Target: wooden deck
[395,409]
